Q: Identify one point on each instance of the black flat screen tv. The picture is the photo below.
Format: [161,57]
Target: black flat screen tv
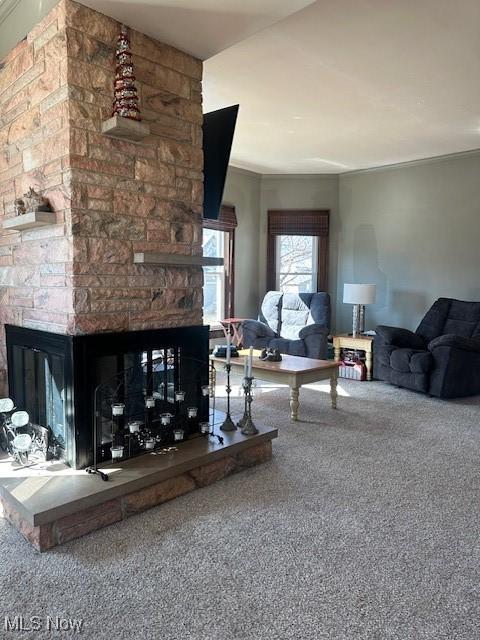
[218,129]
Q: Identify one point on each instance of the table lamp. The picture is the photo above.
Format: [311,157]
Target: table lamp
[359,295]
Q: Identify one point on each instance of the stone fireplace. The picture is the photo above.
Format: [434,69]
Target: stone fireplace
[112,198]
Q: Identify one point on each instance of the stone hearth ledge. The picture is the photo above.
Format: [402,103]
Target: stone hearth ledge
[49,510]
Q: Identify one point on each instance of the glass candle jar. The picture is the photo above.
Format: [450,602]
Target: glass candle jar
[204,427]
[150,402]
[118,409]
[192,412]
[205,390]
[134,427]
[150,443]
[117,452]
[165,418]
[180,395]
[178,434]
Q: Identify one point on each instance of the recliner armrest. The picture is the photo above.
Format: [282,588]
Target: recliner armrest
[312,329]
[259,329]
[402,338]
[459,342]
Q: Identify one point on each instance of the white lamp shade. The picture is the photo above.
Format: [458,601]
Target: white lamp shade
[359,293]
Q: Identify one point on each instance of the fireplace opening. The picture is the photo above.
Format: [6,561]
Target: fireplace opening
[121,394]
[39,384]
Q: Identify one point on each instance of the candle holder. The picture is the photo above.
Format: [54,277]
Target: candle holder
[243,419]
[117,452]
[204,428]
[228,424]
[118,409]
[150,443]
[149,402]
[178,434]
[135,426]
[246,423]
[192,412]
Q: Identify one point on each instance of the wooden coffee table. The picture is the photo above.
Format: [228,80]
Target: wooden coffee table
[292,370]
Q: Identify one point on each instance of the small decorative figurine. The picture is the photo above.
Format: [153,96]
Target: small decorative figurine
[19,206]
[33,201]
[126,95]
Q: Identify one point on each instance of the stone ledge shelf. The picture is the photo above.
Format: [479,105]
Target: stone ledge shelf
[125,129]
[50,508]
[175,260]
[30,220]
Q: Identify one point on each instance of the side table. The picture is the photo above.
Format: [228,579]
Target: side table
[234,327]
[347,341]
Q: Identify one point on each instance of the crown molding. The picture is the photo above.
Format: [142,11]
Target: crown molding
[6,8]
[411,163]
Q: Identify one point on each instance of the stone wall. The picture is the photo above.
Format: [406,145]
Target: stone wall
[112,197]
[34,136]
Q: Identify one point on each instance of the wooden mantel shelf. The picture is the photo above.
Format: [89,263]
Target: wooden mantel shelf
[175,260]
[30,220]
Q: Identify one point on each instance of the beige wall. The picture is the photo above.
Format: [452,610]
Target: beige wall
[299,192]
[253,195]
[242,190]
[414,230]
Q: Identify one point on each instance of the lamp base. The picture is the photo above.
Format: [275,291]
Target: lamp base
[358,320]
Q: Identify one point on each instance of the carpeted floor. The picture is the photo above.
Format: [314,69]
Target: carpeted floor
[363,526]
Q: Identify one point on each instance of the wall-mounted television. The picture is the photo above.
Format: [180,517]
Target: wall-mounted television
[218,130]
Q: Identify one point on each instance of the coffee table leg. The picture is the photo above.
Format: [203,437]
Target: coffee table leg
[333,388]
[294,403]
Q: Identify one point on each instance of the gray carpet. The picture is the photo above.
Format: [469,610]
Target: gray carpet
[363,526]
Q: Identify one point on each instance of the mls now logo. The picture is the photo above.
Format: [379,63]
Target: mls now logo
[36,623]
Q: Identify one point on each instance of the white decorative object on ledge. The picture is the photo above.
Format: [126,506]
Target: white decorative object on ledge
[125,129]
[30,220]
[175,260]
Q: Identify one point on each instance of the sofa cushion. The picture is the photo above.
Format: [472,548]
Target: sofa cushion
[295,314]
[270,310]
[320,309]
[456,341]
[421,362]
[434,320]
[411,361]
[402,338]
[446,315]
[463,319]
[382,354]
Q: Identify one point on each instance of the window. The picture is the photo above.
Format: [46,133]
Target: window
[218,287]
[297,263]
[297,251]
[213,277]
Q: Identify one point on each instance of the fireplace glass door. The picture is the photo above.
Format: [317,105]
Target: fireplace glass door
[40,389]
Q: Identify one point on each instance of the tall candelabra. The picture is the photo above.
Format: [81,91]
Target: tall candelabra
[228,424]
[246,423]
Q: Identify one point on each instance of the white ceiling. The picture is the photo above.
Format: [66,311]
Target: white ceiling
[200,27]
[351,84]
[330,87]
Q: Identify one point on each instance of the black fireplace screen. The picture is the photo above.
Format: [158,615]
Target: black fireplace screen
[123,393]
[157,399]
